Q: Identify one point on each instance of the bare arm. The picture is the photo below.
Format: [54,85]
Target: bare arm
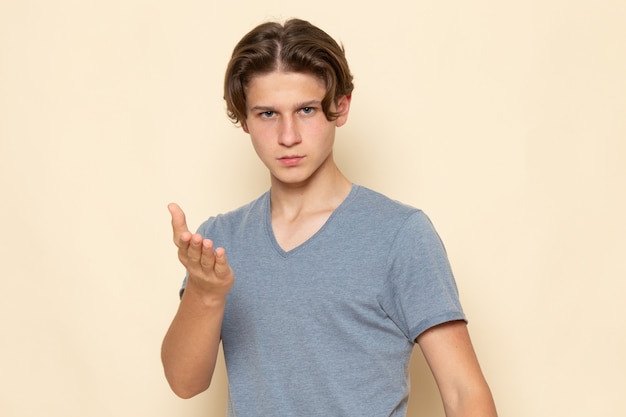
[190,347]
[450,356]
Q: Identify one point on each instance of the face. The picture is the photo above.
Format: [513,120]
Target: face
[288,128]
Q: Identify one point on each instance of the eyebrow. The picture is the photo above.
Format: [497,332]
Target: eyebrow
[308,103]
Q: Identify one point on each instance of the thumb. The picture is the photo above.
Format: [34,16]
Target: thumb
[179,222]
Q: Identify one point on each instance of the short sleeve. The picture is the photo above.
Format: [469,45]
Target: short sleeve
[420,290]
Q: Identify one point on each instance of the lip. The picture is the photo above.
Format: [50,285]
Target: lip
[290,160]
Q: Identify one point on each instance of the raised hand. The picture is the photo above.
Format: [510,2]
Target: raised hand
[208,267]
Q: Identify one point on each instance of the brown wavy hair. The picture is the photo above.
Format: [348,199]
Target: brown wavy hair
[296,46]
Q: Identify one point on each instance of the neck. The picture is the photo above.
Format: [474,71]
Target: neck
[324,193]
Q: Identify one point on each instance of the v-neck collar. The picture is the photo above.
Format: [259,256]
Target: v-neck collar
[270,230]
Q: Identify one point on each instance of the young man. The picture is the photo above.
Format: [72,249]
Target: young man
[328,284]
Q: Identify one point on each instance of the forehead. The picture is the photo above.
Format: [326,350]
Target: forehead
[279,87]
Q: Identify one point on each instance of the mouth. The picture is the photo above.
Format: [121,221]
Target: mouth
[290,160]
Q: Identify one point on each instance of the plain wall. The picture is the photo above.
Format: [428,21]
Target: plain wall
[504,121]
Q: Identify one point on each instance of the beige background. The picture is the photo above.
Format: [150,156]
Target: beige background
[504,121]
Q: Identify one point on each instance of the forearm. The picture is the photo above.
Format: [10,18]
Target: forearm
[450,355]
[191,344]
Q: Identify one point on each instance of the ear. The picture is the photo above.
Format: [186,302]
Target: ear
[244,126]
[343,108]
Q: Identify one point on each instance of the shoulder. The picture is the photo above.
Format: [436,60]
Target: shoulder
[376,200]
[404,222]
[252,212]
[384,209]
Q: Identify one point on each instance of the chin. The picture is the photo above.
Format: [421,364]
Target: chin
[290,181]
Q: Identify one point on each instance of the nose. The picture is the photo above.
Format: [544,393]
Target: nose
[289,134]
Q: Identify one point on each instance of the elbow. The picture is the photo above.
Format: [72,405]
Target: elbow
[185,394]
[187,389]
[183,383]
[185,378]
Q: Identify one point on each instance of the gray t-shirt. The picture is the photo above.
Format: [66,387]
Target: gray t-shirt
[327,329]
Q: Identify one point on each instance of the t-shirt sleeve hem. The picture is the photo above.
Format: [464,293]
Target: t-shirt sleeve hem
[434,321]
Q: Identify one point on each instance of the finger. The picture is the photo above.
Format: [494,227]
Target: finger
[207,259]
[179,225]
[194,252]
[222,269]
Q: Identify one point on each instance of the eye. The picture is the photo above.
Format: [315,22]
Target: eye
[267,114]
[307,110]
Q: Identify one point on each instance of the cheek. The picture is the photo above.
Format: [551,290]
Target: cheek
[326,134]
[258,131]
[261,147]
